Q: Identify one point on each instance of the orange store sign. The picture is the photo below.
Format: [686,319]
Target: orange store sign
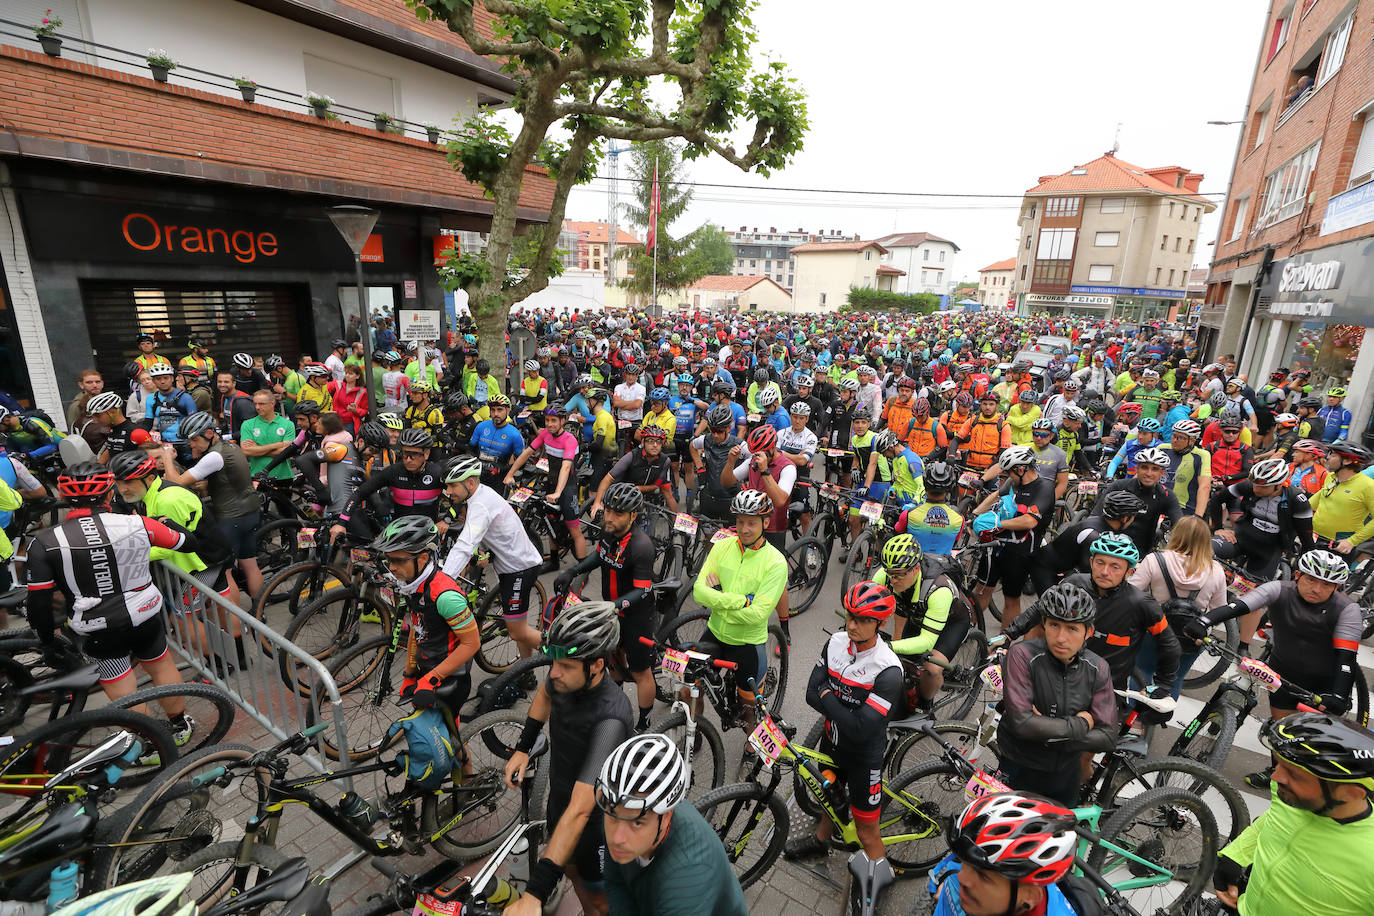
[145,233]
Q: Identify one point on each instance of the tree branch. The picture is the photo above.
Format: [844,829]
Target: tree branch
[538,276]
[460,21]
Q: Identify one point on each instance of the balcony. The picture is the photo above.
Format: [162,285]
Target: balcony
[61,110]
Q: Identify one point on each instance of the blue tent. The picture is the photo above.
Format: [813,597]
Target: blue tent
[971,305]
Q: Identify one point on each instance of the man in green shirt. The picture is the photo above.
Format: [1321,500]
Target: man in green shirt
[741,582]
[265,436]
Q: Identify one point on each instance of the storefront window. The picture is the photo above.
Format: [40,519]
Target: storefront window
[1329,351]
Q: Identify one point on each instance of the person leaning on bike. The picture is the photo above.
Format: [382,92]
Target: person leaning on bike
[663,857]
[855,684]
[710,454]
[443,632]
[1058,700]
[588,716]
[1315,636]
[625,556]
[1310,851]
[1008,854]
[924,610]
[1267,517]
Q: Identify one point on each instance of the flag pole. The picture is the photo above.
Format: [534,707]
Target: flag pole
[653,205]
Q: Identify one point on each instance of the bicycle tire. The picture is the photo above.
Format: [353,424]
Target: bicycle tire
[328,626]
[860,561]
[708,754]
[1359,692]
[216,870]
[1211,742]
[53,745]
[690,627]
[724,809]
[934,791]
[486,793]
[370,703]
[166,805]
[214,697]
[504,690]
[1192,874]
[801,793]
[957,697]
[279,545]
[293,585]
[494,634]
[824,528]
[14,705]
[808,560]
[1213,671]
[1181,772]
[915,748]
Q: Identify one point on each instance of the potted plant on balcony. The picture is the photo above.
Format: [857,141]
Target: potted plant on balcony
[432,131]
[247,88]
[44,32]
[384,122]
[160,62]
[319,103]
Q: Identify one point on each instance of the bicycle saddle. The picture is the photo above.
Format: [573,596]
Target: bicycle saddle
[284,884]
[670,585]
[912,722]
[83,678]
[108,752]
[64,831]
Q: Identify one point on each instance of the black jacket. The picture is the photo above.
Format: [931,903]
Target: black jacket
[1056,736]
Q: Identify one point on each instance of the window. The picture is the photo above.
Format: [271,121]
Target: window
[789,279]
[778,279]
[1164,245]
[942,257]
[868,254]
[1238,218]
[1023,273]
[1259,123]
[939,277]
[923,278]
[925,254]
[1158,271]
[1171,278]
[1185,213]
[596,264]
[1113,205]
[1334,52]
[1178,243]
[1028,243]
[1277,37]
[1107,239]
[1362,168]
[822,298]
[1285,188]
[754,263]
[1061,207]
[1171,208]
[1190,246]
[1197,215]
[1056,244]
[1100,273]
[767,265]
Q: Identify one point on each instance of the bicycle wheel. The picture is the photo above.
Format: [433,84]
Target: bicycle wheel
[707,752]
[686,629]
[1359,693]
[963,689]
[370,704]
[279,545]
[801,793]
[690,628]
[1209,739]
[1169,827]
[217,873]
[1208,668]
[46,750]
[171,819]
[824,527]
[807,564]
[1137,776]
[210,707]
[778,651]
[297,585]
[498,651]
[927,797]
[861,561]
[14,677]
[332,623]
[910,749]
[505,691]
[469,815]
[752,825]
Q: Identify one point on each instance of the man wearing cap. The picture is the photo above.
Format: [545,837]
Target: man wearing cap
[334,362]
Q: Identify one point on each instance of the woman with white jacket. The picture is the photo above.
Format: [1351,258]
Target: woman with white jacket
[1195,575]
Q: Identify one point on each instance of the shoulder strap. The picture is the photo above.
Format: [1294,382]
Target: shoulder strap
[1164,571]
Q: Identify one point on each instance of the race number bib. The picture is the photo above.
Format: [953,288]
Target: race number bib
[1087,488]
[305,538]
[984,783]
[675,663]
[523,415]
[358,556]
[542,465]
[768,742]
[520,496]
[992,676]
[835,453]
[871,510]
[1242,585]
[685,523]
[753,417]
[623,424]
[722,533]
[1264,675]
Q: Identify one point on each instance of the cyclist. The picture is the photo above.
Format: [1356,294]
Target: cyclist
[855,684]
[422,413]
[1308,468]
[625,556]
[924,598]
[496,441]
[492,523]
[1190,468]
[1050,461]
[646,467]
[903,464]
[1009,852]
[102,563]
[414,483]
[1147,484]
[1058,700]
[687,411]
[767,470]
[741,582]
[1306,853]
[588,716]
[710,454]
[316,387]
[166,406]
[1070,550]
[798,444]
[1022,415]
[559,448]
[1268,516]
[1033,498]
[1344,506]
[927,438]
[1231,461]
[664,858]
[628,400]
[1316,633]
[1334,418]
[982,438]
[934,522]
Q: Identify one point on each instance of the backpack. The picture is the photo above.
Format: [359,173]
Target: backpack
[428,757]
[1178,610]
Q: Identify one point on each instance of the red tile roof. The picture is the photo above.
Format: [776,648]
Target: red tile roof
[813,247]
[911,240]
[1008,264]
[722,282]
[597,232]
[1108,173]
[887,270]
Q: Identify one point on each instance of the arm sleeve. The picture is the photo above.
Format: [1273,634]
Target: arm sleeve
[208,464]
[373,483]
[39,573]
[865,725]
[606,737]
[474,529]
[1165,638]
[708,596]
[169,536]
[938,603]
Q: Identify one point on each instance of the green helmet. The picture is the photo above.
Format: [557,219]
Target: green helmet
[1114,544]
[408,534]
[901,553]
[463,468]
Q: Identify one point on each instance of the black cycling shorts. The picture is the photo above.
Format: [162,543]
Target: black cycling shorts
[516,589]
[1011,569]
[588,858]
[567,502]
[1285,698]
[242,535]
[863,778]
[714,507]
[750,661]
[114,650]
[952,636]
[633,625]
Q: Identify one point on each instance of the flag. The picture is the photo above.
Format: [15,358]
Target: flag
[653,212]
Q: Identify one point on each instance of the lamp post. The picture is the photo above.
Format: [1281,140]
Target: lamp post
[355,223]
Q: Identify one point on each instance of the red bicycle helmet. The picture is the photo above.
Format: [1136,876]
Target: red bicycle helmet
[85,481]
[1128,412]
[869,599]
[653,431]
[1023,837]
[763,439]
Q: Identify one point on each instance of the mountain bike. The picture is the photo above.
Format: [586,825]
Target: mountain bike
[830,524]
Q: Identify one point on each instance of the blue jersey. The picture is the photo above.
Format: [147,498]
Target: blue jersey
[935,526]
[778,419]
[494,444]
[943,884]
[741,415]
[577,404]
[1337,420]
[1176,413]
[685,409]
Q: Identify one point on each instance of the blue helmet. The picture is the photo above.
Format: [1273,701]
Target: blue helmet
[658,394]
[1149,425]
[686,379]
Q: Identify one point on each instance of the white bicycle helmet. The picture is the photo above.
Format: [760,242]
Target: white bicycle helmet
[1016,456]
[646,773]
[157,369]
[105,401]
[243,361]
[768,397]
[1155,456]
[1270,472]
[1324,565]
[531,365]
[849,384]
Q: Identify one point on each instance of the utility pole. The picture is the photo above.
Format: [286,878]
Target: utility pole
[612,207]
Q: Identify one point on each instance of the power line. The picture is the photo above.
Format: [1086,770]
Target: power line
[750,187]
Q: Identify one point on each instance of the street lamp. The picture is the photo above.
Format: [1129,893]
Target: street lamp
[1225,123]
[355,223]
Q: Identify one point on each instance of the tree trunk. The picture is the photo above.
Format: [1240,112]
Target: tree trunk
[491,335]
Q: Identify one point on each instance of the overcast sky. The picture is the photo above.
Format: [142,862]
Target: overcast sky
[982,97]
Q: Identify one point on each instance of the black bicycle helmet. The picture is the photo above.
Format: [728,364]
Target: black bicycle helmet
[623,497]
[1324,745]
[307,408]
[1311,402]
[939,476]
[1230,419]
[455,401]
[415,438]
[585,631]
[408,534]
[1119,504]
[374,435]
[720,416]
[132,369]
[720,386]
[482,367]
[1068,603]
[762,377]
[132,465]
[197,424]
[1351,452]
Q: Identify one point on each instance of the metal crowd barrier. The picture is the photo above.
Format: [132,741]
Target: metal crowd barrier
[258,688]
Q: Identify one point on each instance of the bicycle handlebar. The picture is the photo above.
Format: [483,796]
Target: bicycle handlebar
[717,662]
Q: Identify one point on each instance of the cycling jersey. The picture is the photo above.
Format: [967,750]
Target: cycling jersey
[1309,639]
[1050,462]
[1040,729]
[1020,418]
[684,411]
[637,468]
[803,442]
[906,475]
[164,500]
[1159,503]
[437,613]
[101,562]
[1269,524]
[584,727]
[935,526]
[926,610]
[534,393]
[665,420]
[860,690]
[1230,463]
[319,394]
[943,883]
[1309,479]
[224,468]
[1334,422]
[557,449]
[752,582]
[1185,472]
[427,417]
[491,521]
[1345,508]
[715,456]
[496,445]
[689,874]
[983,439]
[166,409]
[412,493]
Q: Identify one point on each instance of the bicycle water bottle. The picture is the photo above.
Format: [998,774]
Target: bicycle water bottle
[358,810]
[502,894]
[62,886]
[520,862]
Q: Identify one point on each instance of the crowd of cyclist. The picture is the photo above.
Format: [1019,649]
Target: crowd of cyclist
[739,419]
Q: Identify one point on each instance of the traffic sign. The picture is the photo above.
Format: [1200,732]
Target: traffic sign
[418,324]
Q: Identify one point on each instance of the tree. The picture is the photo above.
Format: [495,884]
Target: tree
[586,67]
[671,268]
[880,300]
[712,253]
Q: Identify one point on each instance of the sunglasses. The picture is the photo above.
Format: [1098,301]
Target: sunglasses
[410,454]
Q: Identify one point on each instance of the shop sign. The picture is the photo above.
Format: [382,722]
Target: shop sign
[409,287]
[1096,301]
[1300,278]
[1346,211]
[1331,283]
[1146,291]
